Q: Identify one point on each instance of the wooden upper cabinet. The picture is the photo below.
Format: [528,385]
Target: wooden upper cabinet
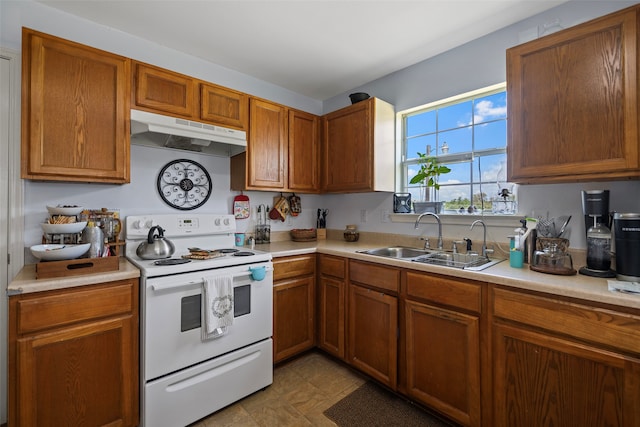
[358,153]
[573,103]
[224,106]
[75,111]
[163,91]
[303,152]
[266,151]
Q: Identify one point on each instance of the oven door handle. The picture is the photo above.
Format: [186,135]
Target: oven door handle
[166,286]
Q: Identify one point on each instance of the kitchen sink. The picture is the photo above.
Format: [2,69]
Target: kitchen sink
[399,252]
[470,261]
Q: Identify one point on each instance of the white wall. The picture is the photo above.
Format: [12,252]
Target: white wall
[478,64]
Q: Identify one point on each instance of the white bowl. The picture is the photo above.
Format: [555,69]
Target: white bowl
[71,228]
[64,210]
[59,252]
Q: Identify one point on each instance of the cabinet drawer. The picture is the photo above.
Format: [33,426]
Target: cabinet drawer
[333,266]
[375,275]
[294,266]
[38,312]
[443,290]
[597,325]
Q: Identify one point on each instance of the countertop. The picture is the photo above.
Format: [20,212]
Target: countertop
[577,286]
[26,282]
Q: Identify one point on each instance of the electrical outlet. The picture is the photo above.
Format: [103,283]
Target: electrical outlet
[385,216]
[289,221]
[363,215]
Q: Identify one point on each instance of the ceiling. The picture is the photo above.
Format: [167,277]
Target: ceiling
[317,48]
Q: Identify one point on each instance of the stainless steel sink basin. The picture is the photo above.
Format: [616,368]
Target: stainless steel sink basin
[473,262]
[399,252]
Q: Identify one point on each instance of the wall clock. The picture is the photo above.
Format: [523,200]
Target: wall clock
[184,184]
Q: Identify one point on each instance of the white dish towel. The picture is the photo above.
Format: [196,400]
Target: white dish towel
[217,305]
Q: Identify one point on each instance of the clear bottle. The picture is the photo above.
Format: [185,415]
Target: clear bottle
[598,246]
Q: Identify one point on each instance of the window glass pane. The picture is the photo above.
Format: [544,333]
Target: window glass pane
[491,167]
[490,135]
[422,123]
[455,116]
[455,197]
[490,107]
[457,141]
[460,173]
[419,145]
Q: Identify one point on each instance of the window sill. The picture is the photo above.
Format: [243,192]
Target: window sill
[507,221]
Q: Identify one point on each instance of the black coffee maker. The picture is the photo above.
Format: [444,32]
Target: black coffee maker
[627,232]
[597,225]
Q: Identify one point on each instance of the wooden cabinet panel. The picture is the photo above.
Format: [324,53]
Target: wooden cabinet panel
[372,346]
[293,266]
[331,315]
[164,91]
[293,317]
[443,290]
[375,275]
[358,150]
[573,103]
[599,326]
[266,152]
[303,165]
[332,266]
[544,380]
[67,135]
[82,368]
[443,361]
[224,106]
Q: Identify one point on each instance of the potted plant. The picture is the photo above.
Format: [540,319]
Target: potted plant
[427,177]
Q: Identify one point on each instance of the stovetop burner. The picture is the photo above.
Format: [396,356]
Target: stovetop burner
[228,251]
[243,253]
[172,261]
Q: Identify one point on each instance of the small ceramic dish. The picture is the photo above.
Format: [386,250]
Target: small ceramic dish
[69,210]
[71,228]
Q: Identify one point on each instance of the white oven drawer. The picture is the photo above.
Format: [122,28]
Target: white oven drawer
[184,397]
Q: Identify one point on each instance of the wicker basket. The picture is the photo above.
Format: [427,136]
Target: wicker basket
[303,234]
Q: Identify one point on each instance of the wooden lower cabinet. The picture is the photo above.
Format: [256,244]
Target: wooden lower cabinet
[293,306]
[442,345]
[332,304]
[561,363]
[372,344]
[73,356]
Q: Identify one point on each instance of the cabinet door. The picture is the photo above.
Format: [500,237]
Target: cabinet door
[443,361]
[373,334]
[266,151]
[303,152]
[573,103]
[75,111]
[84,375]
[293,317]
[347,151]
[331,315]
[545,380]
[224,106]
[163,91]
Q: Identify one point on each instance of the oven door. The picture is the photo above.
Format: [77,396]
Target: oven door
[172,319]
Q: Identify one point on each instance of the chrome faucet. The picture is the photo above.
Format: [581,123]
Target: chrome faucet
[485,251]
[440,245]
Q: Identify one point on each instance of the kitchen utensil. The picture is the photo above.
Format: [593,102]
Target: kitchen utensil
[258,273]
[552,260]
[295,206]
[564,226]
[93,235]
[156,246]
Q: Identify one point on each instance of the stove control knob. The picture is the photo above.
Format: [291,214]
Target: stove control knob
[148,224]
[217,221]
[226,221]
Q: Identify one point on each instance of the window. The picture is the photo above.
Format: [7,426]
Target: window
[468,134]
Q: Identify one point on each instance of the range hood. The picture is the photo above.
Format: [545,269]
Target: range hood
[156,130]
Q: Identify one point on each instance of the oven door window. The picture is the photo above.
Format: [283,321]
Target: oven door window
[191,307]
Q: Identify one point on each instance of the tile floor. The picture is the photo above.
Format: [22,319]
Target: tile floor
[302,389]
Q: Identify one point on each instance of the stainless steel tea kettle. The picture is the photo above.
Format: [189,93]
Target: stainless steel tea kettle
[156,246]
